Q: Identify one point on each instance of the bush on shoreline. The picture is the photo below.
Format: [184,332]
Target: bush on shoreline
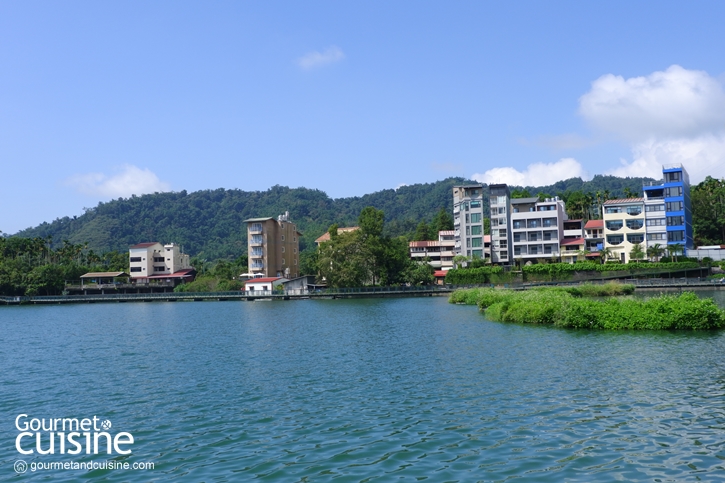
[562,308]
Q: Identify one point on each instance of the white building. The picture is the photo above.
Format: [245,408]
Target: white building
[537,227]
[468,220]
[501,238]
[624,226]
[152,259]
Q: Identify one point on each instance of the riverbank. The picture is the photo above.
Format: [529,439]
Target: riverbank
[573,307]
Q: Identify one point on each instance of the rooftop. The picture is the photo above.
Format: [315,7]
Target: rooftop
[145,245]
[594,224]
[250,220]
[624,201]
[326,236]
[263,280]
[518,201]
[573,241]
[104,274]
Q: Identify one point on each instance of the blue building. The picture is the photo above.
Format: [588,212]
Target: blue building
[674,190]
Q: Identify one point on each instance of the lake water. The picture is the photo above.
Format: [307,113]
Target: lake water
[361,390]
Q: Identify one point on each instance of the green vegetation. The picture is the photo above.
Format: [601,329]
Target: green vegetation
[708,212]
[562,308]
[365,256]
[31,267]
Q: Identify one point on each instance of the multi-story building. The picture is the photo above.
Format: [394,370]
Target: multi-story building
[673,192]
[326,236]
[594,235]
[501,238]
[624,226]
[152,259]
[438,253]
[273,246]
[468,220]
[537,227]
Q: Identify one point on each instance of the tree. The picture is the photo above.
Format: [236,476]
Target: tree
[423,232]
[459,260]
[655,252]
[420,273]
[341,260]
[674,250]
[606,254]
[708,212]
[443,221]
[520,194]
[637,253]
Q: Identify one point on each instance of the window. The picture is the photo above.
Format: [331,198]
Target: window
[257,239]
[158,259]
[135,269]
[475,217]
[533,250]
[532,223]
[654,208]
[159,269]
[517,251]
[295,261]
[656,222]
[518,224]
[502,232]
[675,220]
[635,224]
[475,204]
[671,177]
[533,237]
[283,261]
[504,254]
[477,253]
[634,210]
[656,236]
[673,191]
[468,230]
[675,206]
[135,259]
[500,200]
[547,249]
[255,227]
[615,239]
[675,236]
[503,244]
[476,230]
[549,222]
[494,222]
[468,218]
[282,237]
[635,237]
[294,250]
[476,242]
[517,237]
[502,211]
[613,209]
[614,225]
[282,249]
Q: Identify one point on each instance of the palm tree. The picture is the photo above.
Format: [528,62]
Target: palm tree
[636,253]
[655,252]
[674,250]
[606,254]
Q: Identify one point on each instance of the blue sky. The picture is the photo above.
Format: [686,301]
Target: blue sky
[99,100]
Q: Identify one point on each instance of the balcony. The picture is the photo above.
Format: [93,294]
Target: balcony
[255,228]
[257,240]
[257,253]
[635,224]
[257,266]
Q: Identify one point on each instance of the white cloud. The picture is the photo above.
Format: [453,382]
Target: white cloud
[674,103]
[701,156]
[667,117]
[317,59]
[128,180]
[537,174]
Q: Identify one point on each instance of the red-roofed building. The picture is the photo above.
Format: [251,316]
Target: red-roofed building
[594,235]
[571,250]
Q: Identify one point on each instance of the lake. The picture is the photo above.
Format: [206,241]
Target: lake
[359,390]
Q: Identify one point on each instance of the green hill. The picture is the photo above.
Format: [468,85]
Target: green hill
[209,224]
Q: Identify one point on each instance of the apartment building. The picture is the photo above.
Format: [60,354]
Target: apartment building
[624,226]
[152,259]
[438,253]
[594,235]
[468,220]
[537,227]
[673,194]
[501,237]
[273,245]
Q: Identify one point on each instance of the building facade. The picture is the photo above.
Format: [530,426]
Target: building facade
[624,226]
[501,238]
[468,220]
[674,193]
[537,228]
[154,259]
[438,253]
[273,246]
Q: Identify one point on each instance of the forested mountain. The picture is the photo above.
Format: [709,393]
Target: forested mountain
[209,224]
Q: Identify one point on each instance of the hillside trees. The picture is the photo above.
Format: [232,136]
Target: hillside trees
[708,212]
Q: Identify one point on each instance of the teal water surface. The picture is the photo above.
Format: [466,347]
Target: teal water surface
[362,390]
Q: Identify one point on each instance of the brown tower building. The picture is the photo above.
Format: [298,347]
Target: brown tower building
[274,246]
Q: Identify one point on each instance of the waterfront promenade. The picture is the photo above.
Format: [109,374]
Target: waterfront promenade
[665,284]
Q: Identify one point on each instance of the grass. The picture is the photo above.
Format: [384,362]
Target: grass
[575,307]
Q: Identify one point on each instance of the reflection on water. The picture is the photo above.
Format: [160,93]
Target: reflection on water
[368,390]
